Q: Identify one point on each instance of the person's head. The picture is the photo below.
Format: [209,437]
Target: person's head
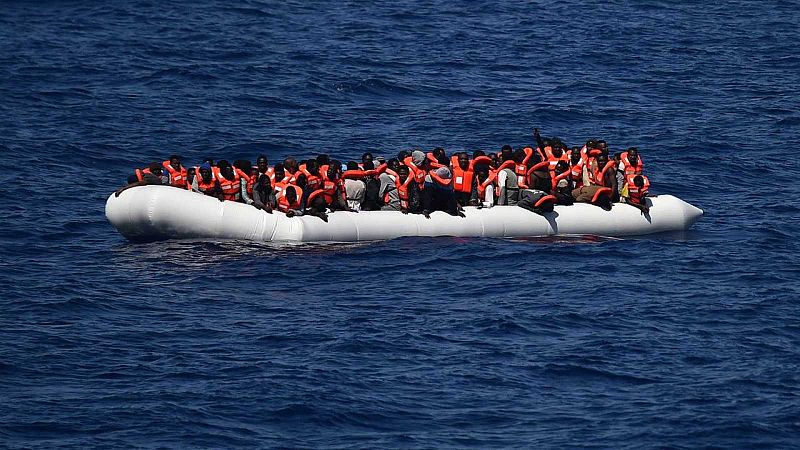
[590,144]
[403,154]
[478,153]
[602,160]
[633,155]
[262,163]
[463,160]
[352,165]
[242,165]
[264,181]
[290,164]
[205,172]
[419,159]
[175,162]
[312,167]
[495,159]
[366,157]
[561,167]
[155,168]
[368,165]
[323,159]
[638,181]
[335,169]
[519,156]
[440,155]
[210,161]
[403,172]
[291,194]
[482,172]
[226,169]
[393,164]
[601,144]
[558,151]
[506,153]
[575,156]
[280,173]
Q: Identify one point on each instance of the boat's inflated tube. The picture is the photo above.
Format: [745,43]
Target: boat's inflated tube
[149,213]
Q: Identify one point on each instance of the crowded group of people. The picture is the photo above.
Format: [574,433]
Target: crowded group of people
[418,182]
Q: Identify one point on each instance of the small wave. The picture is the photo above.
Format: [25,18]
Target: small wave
[588,373]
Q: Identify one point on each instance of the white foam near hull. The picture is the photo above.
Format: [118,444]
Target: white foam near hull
[150,213]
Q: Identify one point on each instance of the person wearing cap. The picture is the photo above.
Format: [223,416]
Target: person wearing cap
[419,164]
[438,193]
[153,174]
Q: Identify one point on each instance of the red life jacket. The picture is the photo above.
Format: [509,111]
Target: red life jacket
[441,180]
[205,188]
[599,176]
[433,161]
[635,194]
[402,191]
[249,180]
[554,179]
[630,169]
[553,159]
[313,182]
[396,179]
[177,177]
[535,168]
[230,188]
[140,173]
[283,203]
[484,184]
[462,179]
[417,173]
[270,172]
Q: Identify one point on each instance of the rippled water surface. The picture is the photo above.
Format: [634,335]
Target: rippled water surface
[684,341]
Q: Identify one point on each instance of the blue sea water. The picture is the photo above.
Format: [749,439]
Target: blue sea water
[679,341]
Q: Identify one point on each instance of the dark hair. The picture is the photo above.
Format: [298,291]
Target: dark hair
[262,156]
[363,156]
[222,163]
[171,157]
[368,165]
[478,153]
[352,165]
[506,148]
[323,159]
[403,154]
[154,167]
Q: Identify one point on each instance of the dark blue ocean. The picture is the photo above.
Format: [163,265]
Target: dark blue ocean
[688,340]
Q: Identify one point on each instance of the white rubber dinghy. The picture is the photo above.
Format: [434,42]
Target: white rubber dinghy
[150,213]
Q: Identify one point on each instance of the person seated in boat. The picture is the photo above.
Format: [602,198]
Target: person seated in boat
[604,174]
[463,178]
[262,167]
[536,201]
[366,157]
[309,177]
[372,199]
[508,186]
[388,186]
[419,165]
[438,194]
[229,181]
[438,158]
[153,174]
[354,188]
[278,175]
[334,188]
[483,194]
[176,172]
[638,186]
[290,167]
[248,174]
[206,183]
[263,193]
[289,200]
[631,162]
[562,184]
[506,153]
[409,196]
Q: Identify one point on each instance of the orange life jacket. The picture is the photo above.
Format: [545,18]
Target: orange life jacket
[635,194]
[630,169]
[553,159]
[250,181]
[396,179]
[599,175]
[313,182]
[554,179]
[462,178]
[140,173]
[402,191]
[205,188]
[230,188]
[177,177]
[433,161]
[481,186]
[417,173]
[283,203]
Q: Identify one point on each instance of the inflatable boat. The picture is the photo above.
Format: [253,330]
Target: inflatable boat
[151,213]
